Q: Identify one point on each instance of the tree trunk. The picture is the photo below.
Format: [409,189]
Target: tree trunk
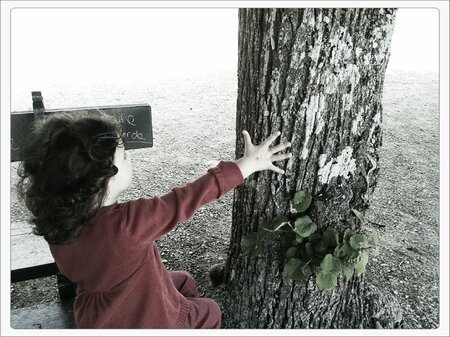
[317,76]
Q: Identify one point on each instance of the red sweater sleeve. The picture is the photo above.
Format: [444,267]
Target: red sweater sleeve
[150,218]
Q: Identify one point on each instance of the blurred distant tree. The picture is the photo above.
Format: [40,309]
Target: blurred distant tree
[317,76]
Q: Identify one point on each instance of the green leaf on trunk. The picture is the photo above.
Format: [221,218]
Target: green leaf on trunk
[299,239]
[331,236]
[360,266]
[342,250]
[373,240]
[330,264]
[304,226]
[314,236]
[248,242]
[307,270]
[319,205]
[291,252]
[348,272]
[265,236]
[376,251]
[320,245]
[308,249]
[293,270]
[326,280]
[347,234]
[360,216]
[356,240]
[302,200]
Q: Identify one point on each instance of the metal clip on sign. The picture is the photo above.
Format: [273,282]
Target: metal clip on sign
[38,104]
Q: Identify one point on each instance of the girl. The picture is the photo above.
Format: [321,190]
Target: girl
[74,171]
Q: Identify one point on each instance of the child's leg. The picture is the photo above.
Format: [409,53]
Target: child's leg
[204,313]
[185,283]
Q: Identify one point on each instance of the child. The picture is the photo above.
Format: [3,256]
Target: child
[74,171]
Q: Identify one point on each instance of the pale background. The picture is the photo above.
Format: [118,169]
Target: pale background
[91,46]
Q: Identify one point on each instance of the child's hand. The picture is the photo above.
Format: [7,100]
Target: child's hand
[260,157]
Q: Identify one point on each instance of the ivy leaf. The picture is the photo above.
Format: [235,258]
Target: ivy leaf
[319,205]
[360,266]
[314,236]
[302,200]
[320,246]
[293,270]
[360,216]
[304,226]
[346,235]
[262,240]
[331,236]
[330,264]
[308,249]
[342,250]
[372,239]
[291,252]
[348,272]
[299,239]
[326,280]
[307,270]
[366,241]
[356,240]
[376,251]
[248,242]
[339,250]
[265,236]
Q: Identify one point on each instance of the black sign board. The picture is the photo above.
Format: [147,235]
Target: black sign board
[136,121]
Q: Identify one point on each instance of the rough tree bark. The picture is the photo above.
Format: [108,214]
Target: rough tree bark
[316,75]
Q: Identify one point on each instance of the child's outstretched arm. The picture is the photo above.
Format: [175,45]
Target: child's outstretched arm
[150,218]
[261,157]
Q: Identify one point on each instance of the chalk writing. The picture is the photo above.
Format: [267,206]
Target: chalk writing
[133,135]
[126,119]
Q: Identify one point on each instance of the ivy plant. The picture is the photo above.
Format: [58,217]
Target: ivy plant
[308,250]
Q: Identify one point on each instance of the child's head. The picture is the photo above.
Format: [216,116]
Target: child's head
[70,164]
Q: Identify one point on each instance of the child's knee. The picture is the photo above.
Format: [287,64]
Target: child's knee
[204,313]
[185,283]
[216,315]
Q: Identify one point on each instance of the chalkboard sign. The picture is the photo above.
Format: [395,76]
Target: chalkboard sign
[136,121]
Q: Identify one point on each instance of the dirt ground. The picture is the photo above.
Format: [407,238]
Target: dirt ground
[194,128]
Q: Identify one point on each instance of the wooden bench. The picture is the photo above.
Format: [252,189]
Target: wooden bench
[136,121]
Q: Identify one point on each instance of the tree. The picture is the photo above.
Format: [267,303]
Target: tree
[317,76]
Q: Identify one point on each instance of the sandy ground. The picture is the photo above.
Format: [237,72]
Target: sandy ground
[194,128]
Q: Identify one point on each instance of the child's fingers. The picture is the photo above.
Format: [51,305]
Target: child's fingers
[276,169]
[247,139]
[279,157]
[271,138]
[279,148]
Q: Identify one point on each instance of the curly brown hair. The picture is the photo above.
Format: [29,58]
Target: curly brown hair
[65,171]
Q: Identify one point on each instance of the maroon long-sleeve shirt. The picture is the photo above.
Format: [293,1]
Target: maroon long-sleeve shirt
[121,280]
